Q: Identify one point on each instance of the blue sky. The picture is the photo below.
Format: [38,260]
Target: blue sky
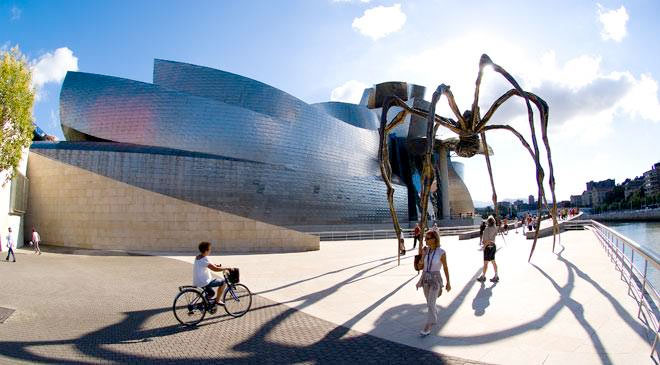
[596,63]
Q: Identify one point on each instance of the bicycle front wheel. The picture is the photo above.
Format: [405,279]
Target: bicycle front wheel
[238,300]
[189,307]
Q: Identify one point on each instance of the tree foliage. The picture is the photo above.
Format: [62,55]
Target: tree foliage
[16,100]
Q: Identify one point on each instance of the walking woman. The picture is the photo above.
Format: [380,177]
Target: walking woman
[433,258]
[490,249]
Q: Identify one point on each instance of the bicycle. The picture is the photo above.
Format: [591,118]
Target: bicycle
[193,302]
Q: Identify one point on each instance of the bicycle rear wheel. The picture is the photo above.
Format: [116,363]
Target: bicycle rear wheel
[238,300]
[189,307]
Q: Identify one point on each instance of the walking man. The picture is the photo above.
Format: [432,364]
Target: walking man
[11,243]
[36,239]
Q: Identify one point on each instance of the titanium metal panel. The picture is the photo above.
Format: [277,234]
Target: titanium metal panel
[269,193]
[122,110]
[357,115]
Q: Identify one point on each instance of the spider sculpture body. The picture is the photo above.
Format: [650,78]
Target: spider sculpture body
[471,129]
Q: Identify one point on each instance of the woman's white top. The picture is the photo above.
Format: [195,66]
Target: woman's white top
[432,259]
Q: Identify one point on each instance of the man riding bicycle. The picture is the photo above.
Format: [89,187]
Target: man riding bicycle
[202,276]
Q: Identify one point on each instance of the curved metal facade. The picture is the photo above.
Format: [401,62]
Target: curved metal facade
[128,111]
[231,143]
[357,115]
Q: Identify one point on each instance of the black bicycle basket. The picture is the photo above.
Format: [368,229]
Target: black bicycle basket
[233,276]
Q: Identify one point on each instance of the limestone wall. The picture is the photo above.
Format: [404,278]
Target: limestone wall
[73,207]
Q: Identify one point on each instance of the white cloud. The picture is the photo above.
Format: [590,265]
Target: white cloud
[16,13]
[350,92]
[54,120]
[380,21]
[52,67]
[589,107]
[613,23]
[574,89]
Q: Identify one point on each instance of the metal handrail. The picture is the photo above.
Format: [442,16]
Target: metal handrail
[382,233]
[648,295]
[649,255]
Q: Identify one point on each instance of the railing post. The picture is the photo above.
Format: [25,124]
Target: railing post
[632,262]
[641,299]
[655,340]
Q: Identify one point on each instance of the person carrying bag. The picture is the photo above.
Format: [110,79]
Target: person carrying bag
[432,259]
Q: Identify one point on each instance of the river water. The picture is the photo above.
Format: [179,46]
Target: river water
[647,235]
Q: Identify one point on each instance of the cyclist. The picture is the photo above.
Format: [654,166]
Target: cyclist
[202,276]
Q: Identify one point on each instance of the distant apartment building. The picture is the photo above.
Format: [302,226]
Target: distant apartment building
[586,198]
[530,199]
[632,186]
[652,180]
[596,192]
[576,200]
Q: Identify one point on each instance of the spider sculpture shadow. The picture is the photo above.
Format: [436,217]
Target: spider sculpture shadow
[471,129]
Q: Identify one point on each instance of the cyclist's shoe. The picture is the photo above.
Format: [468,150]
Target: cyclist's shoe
[495,279]
[481,278]
[220,302]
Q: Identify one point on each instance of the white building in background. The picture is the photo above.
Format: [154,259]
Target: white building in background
[13,203]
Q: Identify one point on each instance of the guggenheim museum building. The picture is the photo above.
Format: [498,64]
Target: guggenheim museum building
[204,154]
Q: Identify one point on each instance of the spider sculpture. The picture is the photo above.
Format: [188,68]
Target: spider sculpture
[471,128]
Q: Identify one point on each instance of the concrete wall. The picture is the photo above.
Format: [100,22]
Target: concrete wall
[627,215]
[73,207]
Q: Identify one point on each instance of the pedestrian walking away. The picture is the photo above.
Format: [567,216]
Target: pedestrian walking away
[416,235]
[36,239]
[433,258]
[490,233]
[11,244]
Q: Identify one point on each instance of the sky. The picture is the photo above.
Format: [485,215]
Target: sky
[597,64]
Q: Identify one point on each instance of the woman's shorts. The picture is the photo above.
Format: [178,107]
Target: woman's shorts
[489,252]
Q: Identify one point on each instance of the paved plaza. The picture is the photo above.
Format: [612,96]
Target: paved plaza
[73,308]
[571,308]
[347,302]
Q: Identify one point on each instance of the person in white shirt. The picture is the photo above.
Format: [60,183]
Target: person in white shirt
[434,259]
[202,272]
[11,244]
[36,239]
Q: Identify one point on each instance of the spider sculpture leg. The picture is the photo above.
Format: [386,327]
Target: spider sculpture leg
[543,109]
[485,60]
[427,171]
[386,169]
[490,172]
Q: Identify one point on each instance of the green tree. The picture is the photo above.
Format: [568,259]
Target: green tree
[16,100]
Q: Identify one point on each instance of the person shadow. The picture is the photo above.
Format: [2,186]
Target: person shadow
[481,301]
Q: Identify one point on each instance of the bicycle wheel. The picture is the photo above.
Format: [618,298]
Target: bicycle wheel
[189,307]
[238,300]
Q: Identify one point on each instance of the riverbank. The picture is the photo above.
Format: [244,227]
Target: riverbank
[641,215]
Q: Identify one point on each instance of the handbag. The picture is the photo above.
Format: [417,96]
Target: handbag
[418,263]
